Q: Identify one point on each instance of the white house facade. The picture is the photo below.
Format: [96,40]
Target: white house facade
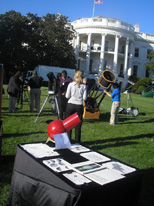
[109,44]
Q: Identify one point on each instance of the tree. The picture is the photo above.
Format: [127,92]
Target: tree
[58,50]
[12,29]
[150,64]
[28,41]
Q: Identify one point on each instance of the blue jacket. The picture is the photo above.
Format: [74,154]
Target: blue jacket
[115,95]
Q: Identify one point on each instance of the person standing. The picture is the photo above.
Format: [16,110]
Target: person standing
[115,95]
[76,93]
[35,84]
[14,90]
[64,81]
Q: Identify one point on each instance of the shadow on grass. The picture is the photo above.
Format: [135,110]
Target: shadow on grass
[117,144]
[106,118]
[121,121]
[19,114]
[6,165]
[5,135]
[8,159]
[48,121]
[120,141]
[103,117]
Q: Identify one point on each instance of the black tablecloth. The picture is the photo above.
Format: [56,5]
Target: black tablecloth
[35,184]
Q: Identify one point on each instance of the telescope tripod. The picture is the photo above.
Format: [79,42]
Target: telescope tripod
[23,97]
[127,98]
[129,110]
[54,103]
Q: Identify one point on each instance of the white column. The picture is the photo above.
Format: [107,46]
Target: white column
[126,57]
[102,53]
[129,73]
[88,53]
[77,48]
[115,61]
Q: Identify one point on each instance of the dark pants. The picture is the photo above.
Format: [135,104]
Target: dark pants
[71,109]
[62,103]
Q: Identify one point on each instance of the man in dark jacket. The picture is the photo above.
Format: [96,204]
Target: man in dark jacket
[64,80]
[35,84]
[13,90]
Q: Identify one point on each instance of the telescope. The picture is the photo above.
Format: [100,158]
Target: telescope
[91,105]
[59,126]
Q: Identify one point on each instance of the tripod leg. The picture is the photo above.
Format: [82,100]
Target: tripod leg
[57,107]
[42,108]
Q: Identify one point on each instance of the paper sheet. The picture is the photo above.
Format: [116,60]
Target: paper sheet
[77,178]
[39,150]
[119,167]
[58,165]
[104,176]
[62,141]
[77,148]
[95,157]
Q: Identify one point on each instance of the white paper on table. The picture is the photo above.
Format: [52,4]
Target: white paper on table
[104,176]
[76,178]
[77,148]
[95,157]
[119,167]
[40,150]
[62,141]
[58,164]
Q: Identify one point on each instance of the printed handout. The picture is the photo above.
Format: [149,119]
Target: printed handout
[40,150]
[58,165]
[76,178]
[77,148]
[104,176]
[119,167]
[95,157]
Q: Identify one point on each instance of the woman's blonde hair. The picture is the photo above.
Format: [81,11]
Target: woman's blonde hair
[78,77]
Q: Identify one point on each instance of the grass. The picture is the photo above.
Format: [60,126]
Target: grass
[131,141]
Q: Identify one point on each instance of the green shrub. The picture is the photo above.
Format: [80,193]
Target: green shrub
[140,84]
[139,90]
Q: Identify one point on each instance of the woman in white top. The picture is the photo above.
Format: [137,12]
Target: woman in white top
[76,93]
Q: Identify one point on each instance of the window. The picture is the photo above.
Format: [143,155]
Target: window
[136,54]
[92,45]
[123,49]
[135,68]
[148,52]
[80,45]
[91,65]
[79,61]
[106,45]
[121,70]
[105,64]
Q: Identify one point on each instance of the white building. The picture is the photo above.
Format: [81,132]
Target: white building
[105,43]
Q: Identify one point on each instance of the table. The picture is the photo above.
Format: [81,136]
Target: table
[34,183]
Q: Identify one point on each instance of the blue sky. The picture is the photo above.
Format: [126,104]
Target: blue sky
[132,11]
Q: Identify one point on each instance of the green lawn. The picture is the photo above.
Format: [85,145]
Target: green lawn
[131,141]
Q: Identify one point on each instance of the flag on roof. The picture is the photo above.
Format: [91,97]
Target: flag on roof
[98,2]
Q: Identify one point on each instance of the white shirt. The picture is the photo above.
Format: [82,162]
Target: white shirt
[76,94]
